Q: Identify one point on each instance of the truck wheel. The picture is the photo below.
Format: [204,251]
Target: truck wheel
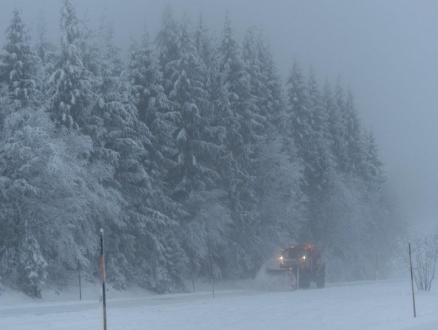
[320,283]
[304,283]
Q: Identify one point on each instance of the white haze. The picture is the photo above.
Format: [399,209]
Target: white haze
[385,50]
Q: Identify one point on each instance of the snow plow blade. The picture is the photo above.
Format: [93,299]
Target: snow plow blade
[279,271]
[276,279]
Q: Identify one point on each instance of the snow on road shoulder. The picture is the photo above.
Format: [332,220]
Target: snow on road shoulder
[382,305]
[70,294]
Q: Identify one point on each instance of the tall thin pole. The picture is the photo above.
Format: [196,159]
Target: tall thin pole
[298,276]
[102,278]
[193,274]
[79,275]
[377,266]
[412,281]
[212,276]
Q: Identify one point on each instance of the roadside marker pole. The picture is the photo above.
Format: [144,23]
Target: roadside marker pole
[377,266]
[79,274]
[298,276]
[212,276]
[193,273]
[412,281]
[102,278]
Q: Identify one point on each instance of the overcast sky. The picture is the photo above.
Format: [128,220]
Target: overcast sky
[386,51]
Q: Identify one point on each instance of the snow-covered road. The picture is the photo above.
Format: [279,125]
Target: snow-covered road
[381,305]
[79,306]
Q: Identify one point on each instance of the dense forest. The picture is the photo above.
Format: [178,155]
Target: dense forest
[191,150]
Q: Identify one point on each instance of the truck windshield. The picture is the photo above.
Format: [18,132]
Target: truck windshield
[293,253]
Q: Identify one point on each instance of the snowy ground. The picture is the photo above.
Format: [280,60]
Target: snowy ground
[382,305]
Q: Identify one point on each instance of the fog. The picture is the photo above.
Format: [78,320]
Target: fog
[386,51]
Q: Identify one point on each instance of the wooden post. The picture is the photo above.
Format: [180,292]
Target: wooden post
[102,277]
[298,276]
[377,265]
[412,281]
[212,276]
[193,275]
[79,275]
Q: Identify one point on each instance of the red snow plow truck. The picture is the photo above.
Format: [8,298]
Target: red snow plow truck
[303,263]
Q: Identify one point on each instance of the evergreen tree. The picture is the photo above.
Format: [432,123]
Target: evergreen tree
[239,121]
[109,67]
[110,63]
[337,128]
[272,100]
[191,102]
[374,175]
[142,241]
[167,47]
[51,195]
[259,91]
[238,167]
[153,106]
[321,176]
[32,271]
[323,164]
[353,137]
[299,122]
[281,200]
[46,51]
[203,43]
[19,64]
[151,250]
[74,85]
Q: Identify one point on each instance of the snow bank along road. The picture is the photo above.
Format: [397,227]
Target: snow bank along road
[381,305]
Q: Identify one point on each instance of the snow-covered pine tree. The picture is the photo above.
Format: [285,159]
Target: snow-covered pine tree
[238,121]
[46,51]
[374,173]
[110,62]
[299,122]
[337,128]
[99,128]
[204,43]
[19,64]
[281,201]
[89,45]
[273,101]
[52,201]
[143,247]
[190,98]
[153,106]
[167,47]
[207,48]
[198,145]
[353,137]
[324,160]
[259,91]
[74,85]
[109,66]
[321,161]
[238,166]
[32,269]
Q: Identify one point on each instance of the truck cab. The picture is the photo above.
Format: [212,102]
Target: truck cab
[305,262]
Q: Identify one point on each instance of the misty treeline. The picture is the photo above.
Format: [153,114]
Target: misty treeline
[188,152]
